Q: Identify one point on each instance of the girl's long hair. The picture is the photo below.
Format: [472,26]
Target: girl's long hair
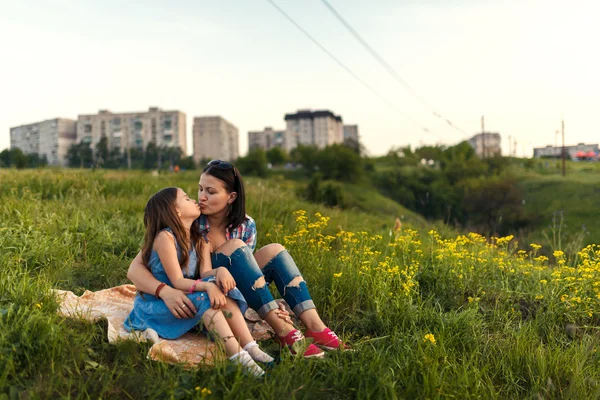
[161,213]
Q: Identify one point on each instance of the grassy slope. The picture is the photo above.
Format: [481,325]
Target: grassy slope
[430,318]
[573,199]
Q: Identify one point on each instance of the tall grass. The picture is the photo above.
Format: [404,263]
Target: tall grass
[431,315]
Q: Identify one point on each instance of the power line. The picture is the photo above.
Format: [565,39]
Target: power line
[341,64]
[388,67]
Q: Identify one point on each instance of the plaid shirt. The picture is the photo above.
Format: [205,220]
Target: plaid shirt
[245,232]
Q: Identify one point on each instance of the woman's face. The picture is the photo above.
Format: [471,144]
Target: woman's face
[212,195]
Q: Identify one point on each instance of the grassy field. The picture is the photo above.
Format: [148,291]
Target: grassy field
[431,315]
[566,204]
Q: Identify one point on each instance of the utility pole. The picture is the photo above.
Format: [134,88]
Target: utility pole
[483,136]
[563,148]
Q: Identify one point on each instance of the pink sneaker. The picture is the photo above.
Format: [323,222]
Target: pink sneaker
[297,336]
[327,339]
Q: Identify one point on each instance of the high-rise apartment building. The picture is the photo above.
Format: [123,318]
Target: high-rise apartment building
[266,139]
[51,138]
[351,133]
[317,128]
[216,138]
[134,129]
[486,144]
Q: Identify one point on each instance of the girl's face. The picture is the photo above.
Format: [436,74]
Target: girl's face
[213,196]
[187,208]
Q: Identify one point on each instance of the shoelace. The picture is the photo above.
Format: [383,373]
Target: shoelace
[333,335]
[297,336]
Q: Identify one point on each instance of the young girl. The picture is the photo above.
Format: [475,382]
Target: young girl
[176,256]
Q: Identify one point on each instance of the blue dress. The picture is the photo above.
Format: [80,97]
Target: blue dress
[151,312]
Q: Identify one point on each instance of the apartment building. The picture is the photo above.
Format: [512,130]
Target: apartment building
[51,138]
[319,128]
[351,133]
[486,144]
[570,151]
[266,139]
[215,138]
[134,129]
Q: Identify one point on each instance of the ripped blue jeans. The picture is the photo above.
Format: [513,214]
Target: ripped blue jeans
[281,269]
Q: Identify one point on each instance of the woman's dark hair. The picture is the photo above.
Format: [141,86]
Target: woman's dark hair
[230,176]
[160,213]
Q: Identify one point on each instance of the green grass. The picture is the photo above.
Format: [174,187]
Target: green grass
[566,204]
[495,337]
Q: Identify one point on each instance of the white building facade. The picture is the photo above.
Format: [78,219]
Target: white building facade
[134,129]
[486,144]
[215,138]
[51,139]
[313,128]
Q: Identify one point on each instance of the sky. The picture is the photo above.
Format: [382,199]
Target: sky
[522,64]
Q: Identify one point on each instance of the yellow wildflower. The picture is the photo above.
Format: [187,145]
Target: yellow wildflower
[429,338]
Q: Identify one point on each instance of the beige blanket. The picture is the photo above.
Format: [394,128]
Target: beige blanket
[116,303]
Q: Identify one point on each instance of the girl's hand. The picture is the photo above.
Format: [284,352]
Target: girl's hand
[224,280]
[216,296]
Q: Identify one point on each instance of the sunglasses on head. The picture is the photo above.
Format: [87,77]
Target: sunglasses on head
[223,165]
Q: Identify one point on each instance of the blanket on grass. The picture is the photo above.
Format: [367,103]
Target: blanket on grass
[116,303]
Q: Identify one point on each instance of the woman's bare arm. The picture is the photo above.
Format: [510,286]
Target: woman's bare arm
[145,282]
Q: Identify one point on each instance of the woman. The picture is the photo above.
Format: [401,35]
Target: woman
[232,237]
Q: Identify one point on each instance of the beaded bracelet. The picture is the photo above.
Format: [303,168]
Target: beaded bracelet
[158,289]
[193,287]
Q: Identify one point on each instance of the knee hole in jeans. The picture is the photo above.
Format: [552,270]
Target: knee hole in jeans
[295,282]
[259,283]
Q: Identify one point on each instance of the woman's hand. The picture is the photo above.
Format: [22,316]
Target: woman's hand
[177,302]
[216,296]
[224,280]
[283,314]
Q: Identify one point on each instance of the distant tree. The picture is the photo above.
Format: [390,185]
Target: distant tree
[493,206]
[254,163]
[435,153]
[80,155]
[151,156]
[19,159]
[187,163]
[340,163]
[101,153]
[277,156]
[35,160]
[307,157]
[5,158]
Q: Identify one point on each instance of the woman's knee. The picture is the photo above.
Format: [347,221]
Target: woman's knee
[267,253]
[230,246]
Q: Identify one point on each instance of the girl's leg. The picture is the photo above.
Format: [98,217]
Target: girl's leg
[214,320]
[237,323]
[249,279]
[238,326]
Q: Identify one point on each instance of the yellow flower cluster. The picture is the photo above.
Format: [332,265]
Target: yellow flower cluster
[468,265]
[429,338]
[203,391]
